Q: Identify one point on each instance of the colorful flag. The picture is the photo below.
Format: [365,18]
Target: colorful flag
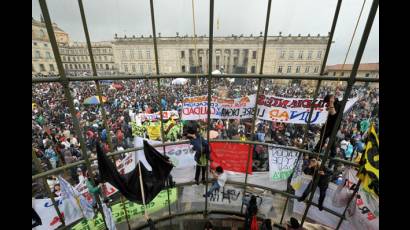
[369,163]
[69,193]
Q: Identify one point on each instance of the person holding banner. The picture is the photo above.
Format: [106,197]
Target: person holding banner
[324,179]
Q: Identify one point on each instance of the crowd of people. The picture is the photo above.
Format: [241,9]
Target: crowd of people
[56,142]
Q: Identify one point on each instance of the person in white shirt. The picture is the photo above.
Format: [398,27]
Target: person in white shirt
[221,178]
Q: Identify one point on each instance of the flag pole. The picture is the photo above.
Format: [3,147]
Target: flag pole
[142,191]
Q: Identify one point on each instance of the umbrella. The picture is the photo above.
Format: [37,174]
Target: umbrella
[180,81]
[216,72]
[213,134]
[93,100]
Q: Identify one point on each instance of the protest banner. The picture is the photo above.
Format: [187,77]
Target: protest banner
[108,189]
[48,214]
[231,156]
[366,214]
[156,116]
[133,210]
[195,108]
[281,163]
[227,197]
[294,110]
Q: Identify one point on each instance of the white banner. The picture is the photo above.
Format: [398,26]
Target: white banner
[294,110]
[282,162]
[228,196]
[195,108]
[156,116]
[366,215]
[48,214]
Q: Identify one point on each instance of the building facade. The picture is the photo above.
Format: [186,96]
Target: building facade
[43,61]
[370,70]
[76,58]
[296,55]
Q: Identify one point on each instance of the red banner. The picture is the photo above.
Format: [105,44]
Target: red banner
[231,156]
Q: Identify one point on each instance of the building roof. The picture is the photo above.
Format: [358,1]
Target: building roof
[34,22]
[362,67]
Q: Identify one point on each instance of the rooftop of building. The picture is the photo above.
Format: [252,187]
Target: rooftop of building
[362,67]
[35,22]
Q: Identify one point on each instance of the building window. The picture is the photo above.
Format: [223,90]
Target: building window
[309,55]
[71,66]
[88,66]
[52,67]
[319,54]
[307,69]
[334,73]
[297,69]
[35,43]
[139,54]
[183,56]
[125,67]
[133,68]
[65,66]
[149,68]
[107,67]
[342,74]
[141,68]
[104,50]
[42,68]
[253,54]
[183,69]
[282,54]
[316,69]
[75,66]
[69,58]
[291,54]
[105,58]
[37,55]
[217,61]
[131,55]
[253,69]
[280,69]
[300,56]
[289,69]
[45,45]
[48,55]
[123,55]
[367,74]
[148,54]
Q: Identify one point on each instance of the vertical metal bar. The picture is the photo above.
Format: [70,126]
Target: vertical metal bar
[44,180]
[356,189]
[99,94]
[257,93]
[351,80]
[329,42]
[154,37]
[64,81]
[211,40]
[103,112]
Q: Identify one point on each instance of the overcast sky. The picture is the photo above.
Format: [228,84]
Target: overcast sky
[132,17]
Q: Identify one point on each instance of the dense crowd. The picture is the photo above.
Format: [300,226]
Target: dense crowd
[56,142]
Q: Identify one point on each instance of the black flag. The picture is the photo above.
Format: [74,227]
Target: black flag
[129,184]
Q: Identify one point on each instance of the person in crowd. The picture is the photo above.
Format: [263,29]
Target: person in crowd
[51,156]
[324,179]
[250,215]
[293,224]
[220,177]
[202,151]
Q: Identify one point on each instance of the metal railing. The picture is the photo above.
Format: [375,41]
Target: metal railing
[64,81]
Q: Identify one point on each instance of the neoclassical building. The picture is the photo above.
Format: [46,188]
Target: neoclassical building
[41,52]
[296,55]
[76,58]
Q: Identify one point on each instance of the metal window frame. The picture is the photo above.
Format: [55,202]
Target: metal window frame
[64,81]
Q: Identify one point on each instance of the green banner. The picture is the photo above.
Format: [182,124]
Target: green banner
[133,210]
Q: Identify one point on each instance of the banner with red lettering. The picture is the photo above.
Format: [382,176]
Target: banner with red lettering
[231,156]
[294,110]
[156,116]
[196,108]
